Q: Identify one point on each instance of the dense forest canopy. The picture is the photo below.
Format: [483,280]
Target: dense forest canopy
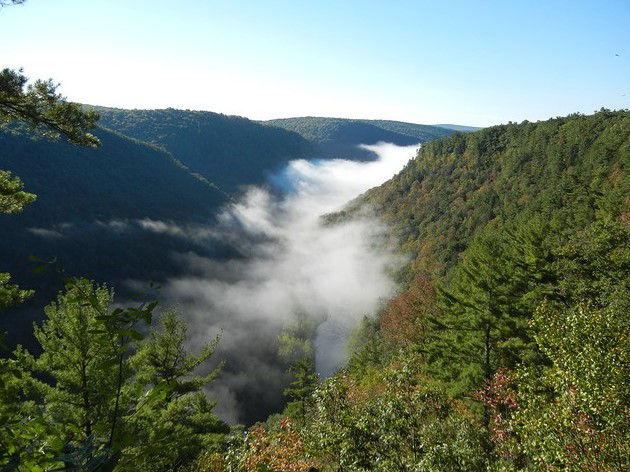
[557,169]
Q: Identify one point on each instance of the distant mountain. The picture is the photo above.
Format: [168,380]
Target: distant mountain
[340,137]
[232,151]
[463,129]
[229,151]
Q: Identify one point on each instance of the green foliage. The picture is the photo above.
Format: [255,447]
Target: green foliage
[368,352]
[92,404]
[483,322]
[463,183]
[295,340]
[304,383]
[11,294]
[73,388]
[575,416]
[80,356]
[23,426]
[400,425]
[12,197]
[44,110]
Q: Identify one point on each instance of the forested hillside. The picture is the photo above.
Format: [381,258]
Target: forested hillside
[93,214]
[508,348]
[229,151]
[556,170]
[340,138]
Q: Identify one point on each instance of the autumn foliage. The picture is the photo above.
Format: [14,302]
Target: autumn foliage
[281,451]
[403,319]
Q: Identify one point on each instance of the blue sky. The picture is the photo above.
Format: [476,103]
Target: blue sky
[476,63]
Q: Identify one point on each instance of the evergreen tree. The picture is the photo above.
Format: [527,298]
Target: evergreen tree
[77,381]
[79,356]
[483,324]
[43,110]
[176,427]
[304,383]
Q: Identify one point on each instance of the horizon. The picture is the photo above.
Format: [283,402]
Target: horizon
[417,62]
[463,125]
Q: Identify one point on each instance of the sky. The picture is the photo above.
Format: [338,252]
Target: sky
[471,63]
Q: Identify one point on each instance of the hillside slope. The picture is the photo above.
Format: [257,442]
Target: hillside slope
[339,137]
[229,151]
[95,213]
[458,185]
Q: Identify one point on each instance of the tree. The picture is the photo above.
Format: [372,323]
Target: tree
[483,322]
[75,385]
[12,197]
[43,110]
[304,383]
[575,415]
[80,356]
[11,294]
[172,430]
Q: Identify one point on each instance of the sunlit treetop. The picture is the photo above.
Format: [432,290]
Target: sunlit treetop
[43,110]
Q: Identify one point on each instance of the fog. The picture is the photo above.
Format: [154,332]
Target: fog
[289,263]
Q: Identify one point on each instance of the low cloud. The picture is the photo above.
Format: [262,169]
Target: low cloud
[288,263]
[45,233]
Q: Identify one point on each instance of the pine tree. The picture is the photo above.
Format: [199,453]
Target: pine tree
[79,356]
[305,381]
[79,377]
[483,324]
[175,427]
[43,110]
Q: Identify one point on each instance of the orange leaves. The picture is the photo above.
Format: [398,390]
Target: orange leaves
[281,451]
[500,395]
[403,319]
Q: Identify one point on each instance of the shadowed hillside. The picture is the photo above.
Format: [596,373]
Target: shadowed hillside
[94,214]
[229,151]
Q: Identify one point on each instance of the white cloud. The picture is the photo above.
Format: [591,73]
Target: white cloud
[291,264]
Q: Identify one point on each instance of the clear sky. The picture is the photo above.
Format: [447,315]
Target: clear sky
[441,61]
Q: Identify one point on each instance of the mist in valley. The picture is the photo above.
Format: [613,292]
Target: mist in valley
[290,264]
